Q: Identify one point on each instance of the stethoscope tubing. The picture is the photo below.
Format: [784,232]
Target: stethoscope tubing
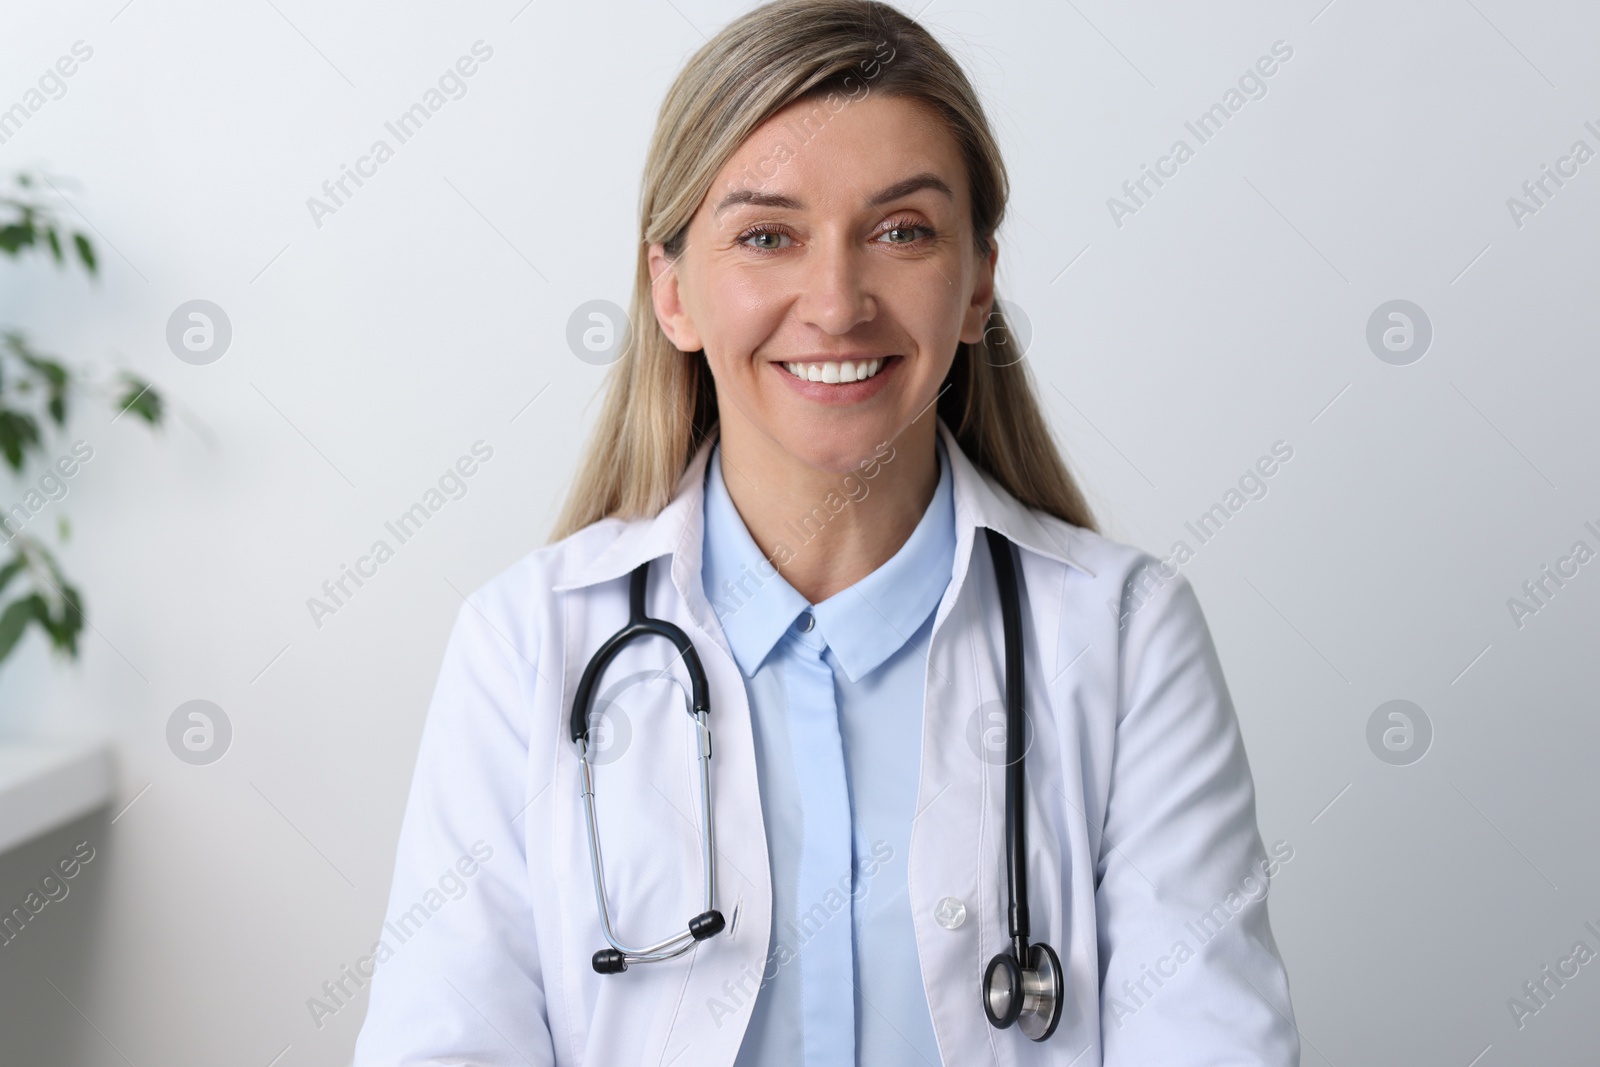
[640,626]
[1016,744]
[1036,989]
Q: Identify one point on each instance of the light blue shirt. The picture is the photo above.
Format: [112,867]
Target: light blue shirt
[836,699]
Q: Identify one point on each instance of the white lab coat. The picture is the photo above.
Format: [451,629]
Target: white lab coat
[1141,819]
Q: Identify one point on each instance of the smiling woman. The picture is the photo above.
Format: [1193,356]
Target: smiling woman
[858,106]
[865,874]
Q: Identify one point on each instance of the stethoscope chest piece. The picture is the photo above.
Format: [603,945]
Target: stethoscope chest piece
[1030,997]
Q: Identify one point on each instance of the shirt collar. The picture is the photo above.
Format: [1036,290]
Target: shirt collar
[678,530]
[751,599]
[864,624]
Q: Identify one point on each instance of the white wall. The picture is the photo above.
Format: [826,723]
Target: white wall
[1227,314]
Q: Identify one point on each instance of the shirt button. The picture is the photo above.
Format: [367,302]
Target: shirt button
[806,622]
[951,913]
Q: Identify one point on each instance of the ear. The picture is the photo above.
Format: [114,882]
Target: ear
[976,320]
[667,298]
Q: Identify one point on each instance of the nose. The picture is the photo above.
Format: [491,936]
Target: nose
[836,296]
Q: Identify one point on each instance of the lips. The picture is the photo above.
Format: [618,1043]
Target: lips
[830,386]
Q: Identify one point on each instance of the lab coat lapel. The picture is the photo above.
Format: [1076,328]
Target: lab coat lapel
[726,974]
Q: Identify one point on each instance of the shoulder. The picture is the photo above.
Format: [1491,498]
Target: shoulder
[1111,569]
[1104,562]
[1143,611]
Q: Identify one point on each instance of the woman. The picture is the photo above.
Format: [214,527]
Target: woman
[812,423]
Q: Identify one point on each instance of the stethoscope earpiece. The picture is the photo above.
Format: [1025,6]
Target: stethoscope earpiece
[706,924]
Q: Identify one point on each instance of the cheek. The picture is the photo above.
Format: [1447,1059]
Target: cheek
[930,317]
[737,315]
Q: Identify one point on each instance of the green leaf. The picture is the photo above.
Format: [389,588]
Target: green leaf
[11,570]
[55,243]
[56,376]
[85,252]
[15,237]
[52,371]
[16,618]
[64,630]
[19,432]
[141,398]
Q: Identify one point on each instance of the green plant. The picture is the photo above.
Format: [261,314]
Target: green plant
[36,393]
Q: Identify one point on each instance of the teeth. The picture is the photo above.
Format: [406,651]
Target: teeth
[845,371]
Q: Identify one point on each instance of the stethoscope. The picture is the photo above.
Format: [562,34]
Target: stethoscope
[1022,986]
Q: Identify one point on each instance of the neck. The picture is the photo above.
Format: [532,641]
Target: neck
[826,530]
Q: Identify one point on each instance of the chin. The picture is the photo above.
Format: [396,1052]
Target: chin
[840,446]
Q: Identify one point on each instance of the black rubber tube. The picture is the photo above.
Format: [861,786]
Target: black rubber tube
[1005,573]
[639,625]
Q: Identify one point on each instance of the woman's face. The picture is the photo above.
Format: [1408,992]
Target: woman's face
[849,257]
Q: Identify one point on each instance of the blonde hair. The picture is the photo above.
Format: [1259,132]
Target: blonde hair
[660,403]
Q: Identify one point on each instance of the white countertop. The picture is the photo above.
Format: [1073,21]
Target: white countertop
[46,784]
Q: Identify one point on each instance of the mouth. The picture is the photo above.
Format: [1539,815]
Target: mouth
[839,381]
[837,372]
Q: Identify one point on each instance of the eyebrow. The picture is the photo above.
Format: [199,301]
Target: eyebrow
[899,189]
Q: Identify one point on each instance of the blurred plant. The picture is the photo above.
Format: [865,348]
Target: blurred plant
[36,393]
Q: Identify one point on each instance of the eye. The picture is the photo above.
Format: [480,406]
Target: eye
[909,229]
[762,231]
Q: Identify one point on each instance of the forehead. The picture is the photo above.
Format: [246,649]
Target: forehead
[820,153]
